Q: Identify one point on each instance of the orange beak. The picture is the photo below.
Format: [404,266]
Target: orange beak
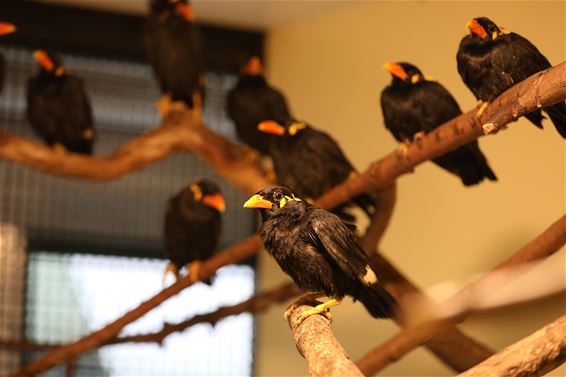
[7,28]
[186,11]
[44,60]
[271,127]
[476,28]
[396,70]
[215,201]
[254,67]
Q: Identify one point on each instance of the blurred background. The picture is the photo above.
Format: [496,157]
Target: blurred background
[75,255]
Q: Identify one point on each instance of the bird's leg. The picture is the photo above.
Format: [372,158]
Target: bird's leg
[482,105]
[197,106]
[59,148]
[88,134]
[193,270]
[309,298]
[320,309]
[163,105]
[172,269]
[403,149]
[418,137]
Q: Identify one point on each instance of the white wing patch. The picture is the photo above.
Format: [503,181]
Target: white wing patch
[369,277]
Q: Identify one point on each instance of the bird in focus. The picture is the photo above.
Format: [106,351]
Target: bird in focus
[192,226]
[58,106]
[319,251]
[5,29]
[252,101]
[173,46]
[492,59]
[413,105]
[310,162]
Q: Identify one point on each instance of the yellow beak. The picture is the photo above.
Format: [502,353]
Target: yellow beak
[396,70]
[476,28]
[257,201]
[43,60]
[271,127]
[7,28]
[215,201]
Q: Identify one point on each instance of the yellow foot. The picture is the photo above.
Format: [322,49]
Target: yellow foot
[163,105]
[304,299]
[88,134]
[319,309]
[170,268]
[59,148]
[194,269]
[418,137]
[482,105]
[403,149]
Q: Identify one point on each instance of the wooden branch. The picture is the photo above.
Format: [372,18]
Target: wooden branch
[542,89]
[323,353]
[386,199]
[178,133]
[533,356]
[550,241]
[233,254]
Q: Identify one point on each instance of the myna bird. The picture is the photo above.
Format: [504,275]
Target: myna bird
[173,46]
[5,29]
[319,251]
[252,101]
[310,162]
[192,226]
[413,105]
[58,107]
[492,59]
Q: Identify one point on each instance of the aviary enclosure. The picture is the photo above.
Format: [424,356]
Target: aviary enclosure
[131,143]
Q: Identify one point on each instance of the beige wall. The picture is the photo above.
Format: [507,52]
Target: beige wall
[330,69]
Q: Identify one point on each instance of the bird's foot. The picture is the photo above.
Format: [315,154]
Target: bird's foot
[403,149]
[170,268]
[197,106]
[418,137]
[194,270]
[88,134]
[304,299]
[323,309]
[59,148]
[163,105]
[482,105]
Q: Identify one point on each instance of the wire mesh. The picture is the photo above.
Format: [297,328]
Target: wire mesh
[68,217]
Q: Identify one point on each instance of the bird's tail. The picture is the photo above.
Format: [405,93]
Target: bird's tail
[557,114]
[536,118]
[469,163]
[378,302]
[367,202]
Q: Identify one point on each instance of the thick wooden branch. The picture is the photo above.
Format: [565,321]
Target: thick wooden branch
[550,241]
[533,356]
[542,89]
[324,355]
[179,133]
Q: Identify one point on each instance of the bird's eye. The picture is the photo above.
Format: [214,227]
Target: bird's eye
[277,196]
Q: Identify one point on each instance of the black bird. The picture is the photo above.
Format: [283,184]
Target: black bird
[58,107]
[192,226]
[310,162]
[319,251]
[5,29]
[492,59]
[252,101]
[174,49]
[414,105]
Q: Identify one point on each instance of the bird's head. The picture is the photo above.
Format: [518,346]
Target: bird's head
[180,7]
[404,72]
[274,200]
[49,62]
[484,28]
[7,28]
[253,67]
[289,127]
[208,193]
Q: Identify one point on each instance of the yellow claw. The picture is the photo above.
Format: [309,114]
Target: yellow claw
[319,309]
[194,270]
[172,269]
[482,106]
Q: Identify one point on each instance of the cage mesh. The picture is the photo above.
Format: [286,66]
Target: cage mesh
[124,217]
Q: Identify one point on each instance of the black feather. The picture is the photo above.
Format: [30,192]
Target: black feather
[490,66]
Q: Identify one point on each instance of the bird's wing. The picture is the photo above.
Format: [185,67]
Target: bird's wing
[331,235]
[388,109]
[434,105]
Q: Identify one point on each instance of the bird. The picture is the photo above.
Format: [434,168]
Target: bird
[192,226]
[310,162]
[173,47]
[5,29]
[319,251]
[252,101]
[58,106]
[492,59]
[413,105]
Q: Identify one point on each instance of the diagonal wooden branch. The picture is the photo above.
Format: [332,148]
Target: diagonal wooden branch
[542,89]
[324,355]
[533,356]
[178,133]
[550,241]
